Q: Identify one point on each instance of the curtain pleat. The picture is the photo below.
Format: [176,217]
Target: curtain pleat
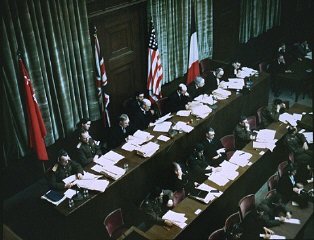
[256,17]
[172,20]
[53,38]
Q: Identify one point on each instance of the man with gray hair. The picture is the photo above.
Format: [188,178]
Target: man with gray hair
[179,99]
[195,88]
[143,116]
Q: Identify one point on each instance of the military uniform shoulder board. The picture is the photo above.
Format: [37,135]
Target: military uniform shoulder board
[55,167]
[79,145]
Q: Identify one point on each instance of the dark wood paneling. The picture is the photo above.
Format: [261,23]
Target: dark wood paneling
[122,35]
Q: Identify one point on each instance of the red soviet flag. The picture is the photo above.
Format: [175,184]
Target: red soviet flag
[36,127]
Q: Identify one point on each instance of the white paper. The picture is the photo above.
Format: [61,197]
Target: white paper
[162,127]
[201,111]
[110,170]
[235,83]
[204,98]
[308,136]
[148,149]
[110,156]
[240,158]
[265,135]
[95,184]
[264,145]
[297,116]
[290,220]
[198,211]
[69,179]
[218,179]
[54,203]
[178,219]
[228,166]
[182,126]
[288,118]
[162,119]
[221,93]
[273,236]
[129,147]
[184,113]
[163,138]
[69,193]
[88,176]
[246,72]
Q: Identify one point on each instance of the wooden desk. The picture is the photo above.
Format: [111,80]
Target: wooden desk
[249,180]
[307,119]
[133,233]
[144,173]
[296,79]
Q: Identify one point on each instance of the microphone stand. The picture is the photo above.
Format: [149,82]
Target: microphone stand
[78,196]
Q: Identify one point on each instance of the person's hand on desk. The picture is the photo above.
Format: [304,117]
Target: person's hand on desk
[69,185]
[95,157]
[168,223]
[288,215]
[79,176]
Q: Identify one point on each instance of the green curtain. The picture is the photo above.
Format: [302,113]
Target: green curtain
[53,38]
[258,16]
[172,20]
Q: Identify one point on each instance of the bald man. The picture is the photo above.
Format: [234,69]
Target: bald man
[179,99]
[142,117]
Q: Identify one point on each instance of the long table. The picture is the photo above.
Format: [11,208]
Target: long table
[87,215]
[249,180]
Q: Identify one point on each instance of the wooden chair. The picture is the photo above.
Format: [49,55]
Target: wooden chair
[259,116]
[231,220]
[272,182]
[228,142]
[281,168]
[178,196]
[206,66]
[217,235]
[270,193]
[263,67]
[162,106]
[114,224]
[252,122]
[246,204]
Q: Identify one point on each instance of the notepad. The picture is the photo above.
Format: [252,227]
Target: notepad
[54,196]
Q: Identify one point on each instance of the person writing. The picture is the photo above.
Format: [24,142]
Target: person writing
[64,168]
[242,133]
[271,114]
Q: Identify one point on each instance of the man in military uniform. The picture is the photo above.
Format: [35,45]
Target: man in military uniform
[242,133]
[272,114]
[87,149]
[64,168]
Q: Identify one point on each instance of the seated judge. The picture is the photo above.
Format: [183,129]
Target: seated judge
[233,70]
[87,149]
[179,99]
[134,104]
[64,168]
[242,133]
[213,149]
[271,114]
[214,80]
[195,88]
[119,133]
[143,116]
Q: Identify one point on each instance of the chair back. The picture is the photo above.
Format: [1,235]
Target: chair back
[231,220]
[272,182]
[228,142]
[246,204]
[263,67]
[270,193]
[217,235]
[259,115]
[205,66]
[252,122]
[291,157]
[281,168]
[162,106]
[178,196]
[114,221]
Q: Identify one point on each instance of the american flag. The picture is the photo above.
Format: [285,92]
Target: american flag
[101,82]
[154,67]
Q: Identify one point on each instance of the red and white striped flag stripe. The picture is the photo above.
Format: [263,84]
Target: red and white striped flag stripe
[194,68]
[155,75]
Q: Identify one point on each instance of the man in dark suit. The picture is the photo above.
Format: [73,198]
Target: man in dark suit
[133,104]
[213,149]
[178,100]
[143,116]
[232,70]
[271,114]
[119,133]
[195,88]
[213,81]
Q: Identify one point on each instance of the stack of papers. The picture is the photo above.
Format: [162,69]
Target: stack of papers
[240,158]
[212,193]
[110,157]
[246,72]
[272,236]
[162,119]
[148,149]
[163,138]
[109,170]
[221,93]
[290,220]
[308,136]
[290,118]
[218,178]
[95,184]
[201,111]
[265,139]
[184,113]
[138,138]
[182,126]
[235,83]
[177,219]
[204,98]
[162,127]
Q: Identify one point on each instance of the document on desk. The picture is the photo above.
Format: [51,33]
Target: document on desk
[272,236]
[178,219]
[69,179]
[69,193]
[228,166]
[264,145]
[182,126]
[163,138]
[95,184]
[218,178]
[221,93]
[209,189]
[90,176]
[246,72]
[53,197]
[110,156]
[109,170]
[235,83]
[148,149]
[308,136]
[184,113]
[288,118]
[240,158]
[162,127]
[129,147]
[204,98]
[265,135]
[162,119]
[290,220]
[201,111]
